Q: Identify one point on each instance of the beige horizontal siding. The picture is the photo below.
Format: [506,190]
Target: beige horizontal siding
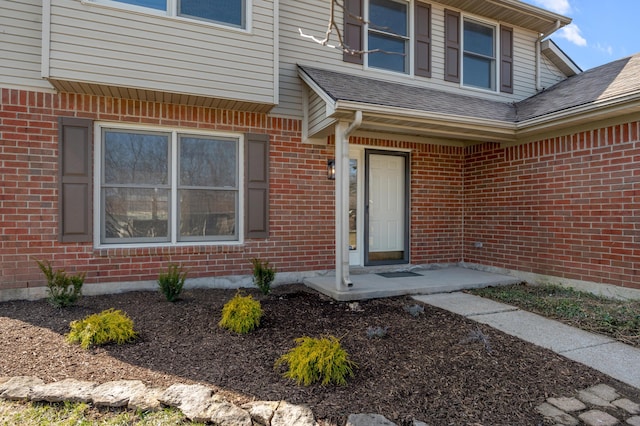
[311,16]
[111,46]
[20,44]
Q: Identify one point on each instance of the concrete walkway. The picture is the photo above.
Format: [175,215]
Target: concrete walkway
[601,353]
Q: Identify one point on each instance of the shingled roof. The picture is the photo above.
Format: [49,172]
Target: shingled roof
[608,82]
[605,83]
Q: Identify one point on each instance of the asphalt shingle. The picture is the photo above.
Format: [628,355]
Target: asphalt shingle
[609,81]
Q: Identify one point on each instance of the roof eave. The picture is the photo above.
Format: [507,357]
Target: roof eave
[579,115]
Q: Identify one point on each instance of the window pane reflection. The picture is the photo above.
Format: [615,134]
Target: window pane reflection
[207,213]
[141,214]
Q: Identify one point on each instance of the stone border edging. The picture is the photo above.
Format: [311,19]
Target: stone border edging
[197,402]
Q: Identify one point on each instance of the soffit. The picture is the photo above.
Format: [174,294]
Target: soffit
[512,12]
[158,96]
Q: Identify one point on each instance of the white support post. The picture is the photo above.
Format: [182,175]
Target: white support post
[343,130]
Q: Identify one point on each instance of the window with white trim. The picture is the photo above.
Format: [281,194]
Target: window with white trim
[479,55]
[168,186]
[388,35]
[227,12]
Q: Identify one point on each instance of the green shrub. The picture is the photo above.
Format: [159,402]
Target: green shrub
[62,289]
[172,281]
[241,314]
[110,326]
[263,275]
[318,360]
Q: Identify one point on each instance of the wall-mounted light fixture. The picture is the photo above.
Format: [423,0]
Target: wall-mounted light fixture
[331,169]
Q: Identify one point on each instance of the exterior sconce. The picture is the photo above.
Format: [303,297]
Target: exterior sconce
[331,169]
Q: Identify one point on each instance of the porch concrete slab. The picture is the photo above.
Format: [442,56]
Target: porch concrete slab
[614,359]
[428,281]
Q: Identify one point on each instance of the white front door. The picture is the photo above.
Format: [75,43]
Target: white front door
[386,210]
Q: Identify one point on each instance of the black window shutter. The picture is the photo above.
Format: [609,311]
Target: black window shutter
[353,30]
[506,59]
[257,185]
[74,165]
[452,46]
[423,40]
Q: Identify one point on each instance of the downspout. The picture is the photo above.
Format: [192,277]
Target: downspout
[342,199]
[539,53]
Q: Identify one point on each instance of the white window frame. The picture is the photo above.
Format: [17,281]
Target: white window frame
[410,38]
[496,50]
[172,13]
[173,173]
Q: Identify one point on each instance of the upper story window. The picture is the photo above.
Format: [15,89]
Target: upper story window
[397,37]
[479,55]
[388,35]
[227,12]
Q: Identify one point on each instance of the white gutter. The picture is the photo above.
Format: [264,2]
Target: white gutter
[342,199]
[539,53]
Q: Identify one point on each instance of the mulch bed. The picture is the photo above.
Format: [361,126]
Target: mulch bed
[426,368]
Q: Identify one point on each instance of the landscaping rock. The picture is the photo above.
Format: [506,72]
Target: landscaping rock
[117,393]
[175,394]
[146,401]
[65,390]
[368,419]
[19,387]
[227,414]
[192,400]
[593,399]
[567,404]
[627,405]
[288,414]
[549,411]
[634,421]
[419,423]
[598,418]
[605,392]
[261,412]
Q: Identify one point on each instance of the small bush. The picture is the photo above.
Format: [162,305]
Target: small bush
[377,332]
[62,289]
[414,310]
[318,360]
[263,275]
[110,326]
[241,314]
[172,281]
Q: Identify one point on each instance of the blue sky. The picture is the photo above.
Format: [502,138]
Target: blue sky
[602,30]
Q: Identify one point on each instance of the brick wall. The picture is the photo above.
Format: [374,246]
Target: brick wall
[302,227]
[567,206]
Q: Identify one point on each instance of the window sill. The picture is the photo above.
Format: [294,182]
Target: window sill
[138,250]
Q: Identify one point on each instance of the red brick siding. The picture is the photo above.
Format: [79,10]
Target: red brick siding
[436,199]
[566,206]
[302,223]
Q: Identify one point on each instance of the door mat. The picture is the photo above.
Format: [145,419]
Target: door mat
[399,274]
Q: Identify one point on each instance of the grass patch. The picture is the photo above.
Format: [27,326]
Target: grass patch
[81,414]
[614,318]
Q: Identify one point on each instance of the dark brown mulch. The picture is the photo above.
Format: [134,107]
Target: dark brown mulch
[426,368]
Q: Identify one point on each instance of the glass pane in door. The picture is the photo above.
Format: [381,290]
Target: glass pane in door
[353,204]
